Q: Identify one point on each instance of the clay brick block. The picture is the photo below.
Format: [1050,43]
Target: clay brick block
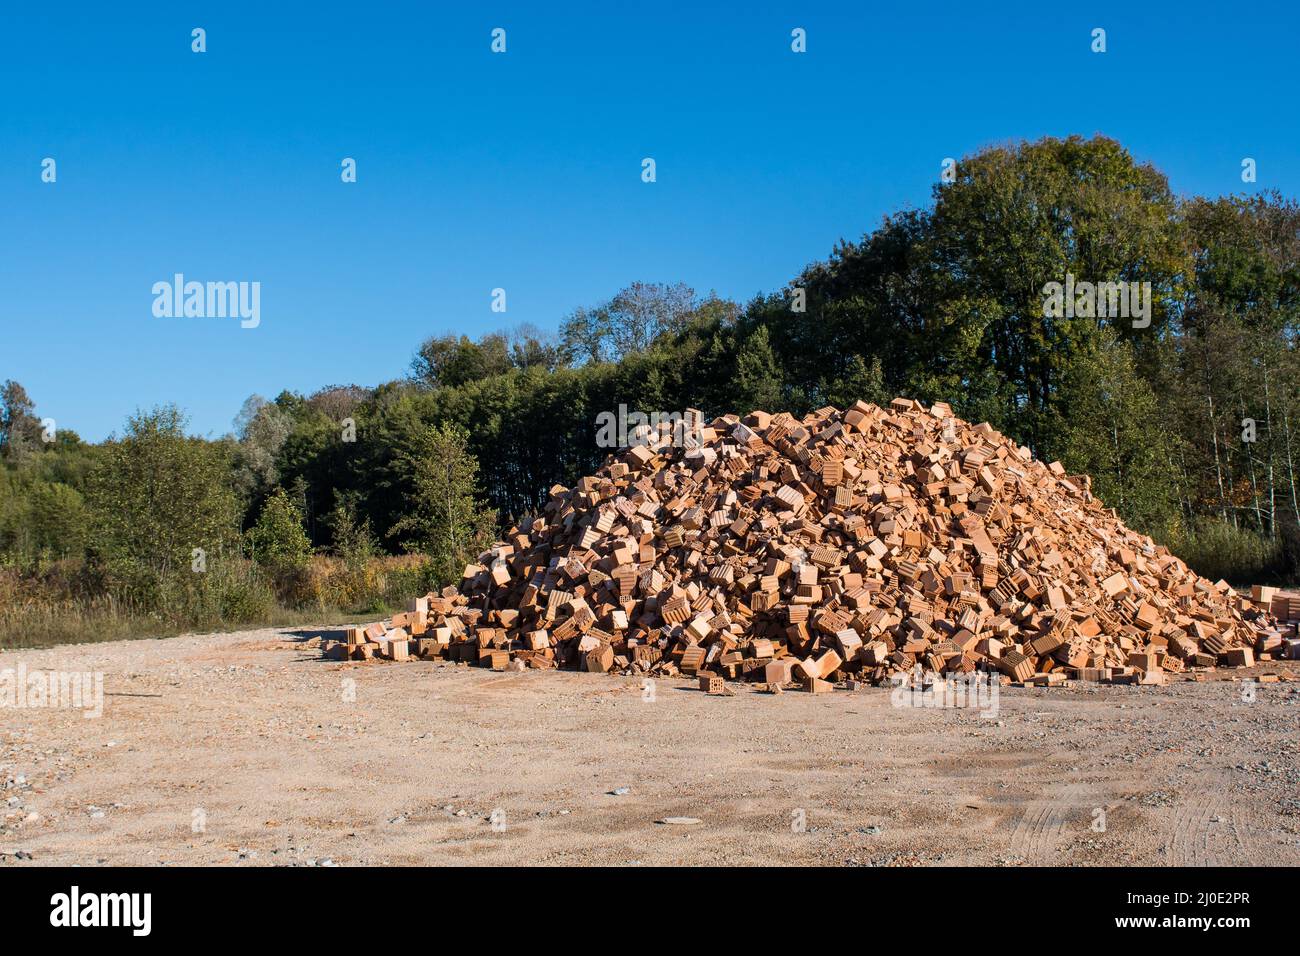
[692,659]
[1115,585]
[699,628]
[874,653]
[1016,666]
[1237,657]
[1143,661]
[600,660]
[827,663]
[779,671]
[1147,616]
[712,684]
[848,643]
[1262,595]
[1047,644]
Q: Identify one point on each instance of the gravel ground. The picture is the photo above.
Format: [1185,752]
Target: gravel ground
[248,749]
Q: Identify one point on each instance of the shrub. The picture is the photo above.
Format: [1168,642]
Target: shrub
[278,542]
[154,497]
[1217,550]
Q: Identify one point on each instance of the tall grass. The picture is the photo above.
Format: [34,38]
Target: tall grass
[56,606]
[1216,549]
[41,610]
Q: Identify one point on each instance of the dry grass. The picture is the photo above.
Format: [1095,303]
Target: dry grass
[50,609]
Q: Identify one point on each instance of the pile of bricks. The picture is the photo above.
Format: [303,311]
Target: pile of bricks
[853,545]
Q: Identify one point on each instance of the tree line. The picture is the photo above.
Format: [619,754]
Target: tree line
[1187,419]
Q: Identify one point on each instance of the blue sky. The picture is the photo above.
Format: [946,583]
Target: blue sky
[522,170]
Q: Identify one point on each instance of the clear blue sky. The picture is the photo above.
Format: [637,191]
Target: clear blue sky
[522,170]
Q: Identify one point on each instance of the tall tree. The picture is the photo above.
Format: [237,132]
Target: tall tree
[156,496]
[1117,434]
[445,519]
[277,540]
[758,377]
[263,428]
[629,322]
[19,427]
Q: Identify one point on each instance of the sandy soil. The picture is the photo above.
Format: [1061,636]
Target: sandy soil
[248,749]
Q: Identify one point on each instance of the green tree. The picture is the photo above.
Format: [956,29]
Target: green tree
[263,429]
[353,540]
[278,541]
[449,360]
[630,322]
[862,381]
[1019,218]
[155,496]
[1115,431]
[60,521]
[445,519]
[1238,369]
[758,377]
[17,524]
[19,426]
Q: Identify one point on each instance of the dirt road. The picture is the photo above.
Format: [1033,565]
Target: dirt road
[249,749]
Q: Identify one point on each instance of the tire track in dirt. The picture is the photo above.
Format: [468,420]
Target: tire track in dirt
[1041,829]
[1248,840]
[1208,831]
[1189,841]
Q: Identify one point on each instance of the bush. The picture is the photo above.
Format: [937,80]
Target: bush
[1240,556]
[230,592]
[444,520]
[158,500]
[278,541]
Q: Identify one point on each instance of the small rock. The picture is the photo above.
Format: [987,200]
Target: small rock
[680,821]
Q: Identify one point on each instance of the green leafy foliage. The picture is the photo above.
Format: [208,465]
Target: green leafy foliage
[155,496]
[277,540]
[444,518]
[1189,427]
